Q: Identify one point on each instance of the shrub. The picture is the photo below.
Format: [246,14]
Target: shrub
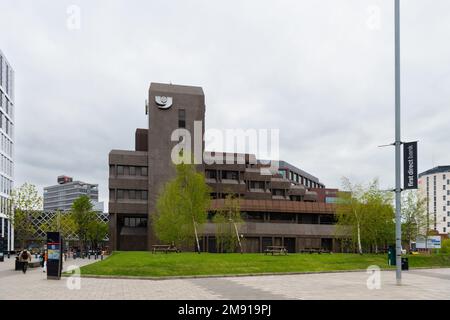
[445,246]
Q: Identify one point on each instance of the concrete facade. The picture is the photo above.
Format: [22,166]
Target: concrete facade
[61,196]
[280,208]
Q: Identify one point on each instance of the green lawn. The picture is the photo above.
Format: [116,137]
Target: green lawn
[184,264]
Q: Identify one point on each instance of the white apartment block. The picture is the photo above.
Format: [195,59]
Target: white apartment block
[434,185]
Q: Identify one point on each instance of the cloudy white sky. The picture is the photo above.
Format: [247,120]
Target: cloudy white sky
[320,71]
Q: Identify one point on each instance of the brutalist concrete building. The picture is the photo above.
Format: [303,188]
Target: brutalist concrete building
[279,208]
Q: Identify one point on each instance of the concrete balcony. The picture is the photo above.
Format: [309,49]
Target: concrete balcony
[252,229]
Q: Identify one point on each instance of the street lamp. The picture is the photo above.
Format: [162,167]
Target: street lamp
[398,143]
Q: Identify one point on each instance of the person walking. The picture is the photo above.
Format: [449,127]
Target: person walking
[24,258]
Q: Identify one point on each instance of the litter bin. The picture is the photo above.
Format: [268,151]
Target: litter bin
[405,265]
[392,256]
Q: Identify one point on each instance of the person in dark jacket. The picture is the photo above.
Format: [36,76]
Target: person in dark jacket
[24,258]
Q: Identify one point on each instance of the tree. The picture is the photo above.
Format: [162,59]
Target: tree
[27,205]
[365,215]
[62,222]
[96,232]
[414,216]
[226,219]
[82,215]
[182,206]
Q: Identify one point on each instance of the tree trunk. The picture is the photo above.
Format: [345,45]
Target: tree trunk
[196,235]
[359,238]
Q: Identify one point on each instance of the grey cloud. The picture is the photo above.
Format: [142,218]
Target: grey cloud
[315,70]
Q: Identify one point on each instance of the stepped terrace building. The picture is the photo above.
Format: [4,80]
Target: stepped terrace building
[279,208]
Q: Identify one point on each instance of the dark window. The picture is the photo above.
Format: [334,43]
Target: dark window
[211,174]
[277,192]
[120,170]
[132,171]
[119,194]
[132,194]
[256,184]
[144,195]
[181,118]
[230,175]
[144,171]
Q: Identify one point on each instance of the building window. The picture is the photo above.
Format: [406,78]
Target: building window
[283,173]
[256,184]
[181,118]
[230,175]
[132,194]
[120,170]
[132,171]
[277,192]
[119,194]
[211,174]
[443,187]
[144,195]
[144,171]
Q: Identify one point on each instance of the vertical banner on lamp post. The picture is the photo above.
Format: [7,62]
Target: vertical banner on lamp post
[410,165]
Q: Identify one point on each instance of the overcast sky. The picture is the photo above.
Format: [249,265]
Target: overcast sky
[320,71]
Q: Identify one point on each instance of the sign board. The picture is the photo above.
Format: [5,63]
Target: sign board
[54,256]
[410,165]
[434,242]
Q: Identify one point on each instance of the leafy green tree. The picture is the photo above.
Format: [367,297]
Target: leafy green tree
[82,215]
[26,206]
[96,232]
[227,220]
[181,208]
[62,222]
[365,215]
[414,216]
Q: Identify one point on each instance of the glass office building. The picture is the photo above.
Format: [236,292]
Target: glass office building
[6,152]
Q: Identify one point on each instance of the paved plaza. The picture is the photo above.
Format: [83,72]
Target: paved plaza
[418,284]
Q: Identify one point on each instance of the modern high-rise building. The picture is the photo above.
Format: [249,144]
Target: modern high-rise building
[61,196]
[6,152]
[434,186]
[279,207]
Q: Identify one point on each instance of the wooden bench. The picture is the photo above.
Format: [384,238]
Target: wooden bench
[164,248]
[275,249]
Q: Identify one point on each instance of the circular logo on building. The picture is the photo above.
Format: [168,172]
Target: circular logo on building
[163,102]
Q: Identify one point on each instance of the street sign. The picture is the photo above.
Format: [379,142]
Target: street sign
[410,165]
[434,242]
[54,255]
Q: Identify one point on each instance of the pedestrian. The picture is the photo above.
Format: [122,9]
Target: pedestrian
[24,258]
[41,259]
[44,268]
